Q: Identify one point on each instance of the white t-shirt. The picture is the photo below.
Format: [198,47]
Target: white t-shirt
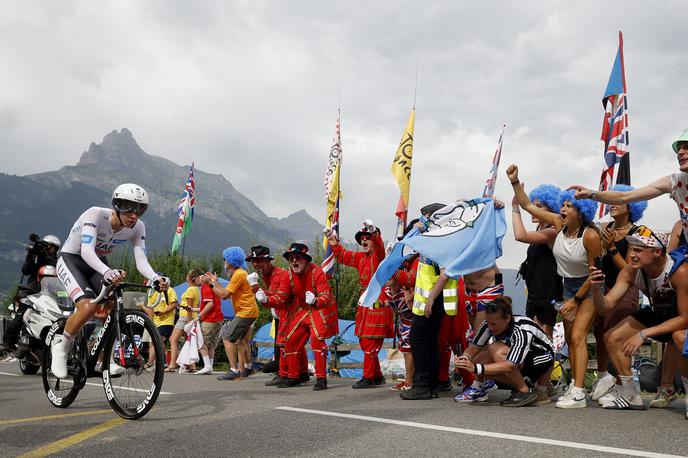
[92,237]
[679,193]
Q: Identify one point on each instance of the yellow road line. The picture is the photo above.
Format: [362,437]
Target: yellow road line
[53,417]
[58,446]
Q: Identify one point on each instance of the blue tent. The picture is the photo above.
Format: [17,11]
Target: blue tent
[227,308]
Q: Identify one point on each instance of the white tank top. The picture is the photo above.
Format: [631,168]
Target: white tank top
[571,256]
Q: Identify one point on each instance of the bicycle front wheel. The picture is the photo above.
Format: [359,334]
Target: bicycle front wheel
[130,388]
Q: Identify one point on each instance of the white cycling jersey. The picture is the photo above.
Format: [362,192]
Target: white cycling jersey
[92,237]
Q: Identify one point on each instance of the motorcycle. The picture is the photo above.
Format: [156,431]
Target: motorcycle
[40,311]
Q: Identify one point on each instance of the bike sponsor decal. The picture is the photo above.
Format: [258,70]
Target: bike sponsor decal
[52,397]
[86,239]
[146,401]
[90,224]
[106,383]
[134,319]
[100,336]
[51,333]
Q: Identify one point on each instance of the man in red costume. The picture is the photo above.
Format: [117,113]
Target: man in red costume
[277,299]
[314,316]
[373,325]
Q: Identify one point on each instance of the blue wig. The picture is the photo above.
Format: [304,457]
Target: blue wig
[548,195]
[586,207]
[235,257]
[636,209]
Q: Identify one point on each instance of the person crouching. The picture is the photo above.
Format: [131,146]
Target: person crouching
[510,349]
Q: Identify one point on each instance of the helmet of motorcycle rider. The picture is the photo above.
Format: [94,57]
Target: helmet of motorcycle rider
[52,240]
[130,198]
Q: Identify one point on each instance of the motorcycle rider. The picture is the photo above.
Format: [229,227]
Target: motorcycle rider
[82,265]
[40,253]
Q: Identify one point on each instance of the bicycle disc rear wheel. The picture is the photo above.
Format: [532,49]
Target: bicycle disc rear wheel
[61,392]
[130,388]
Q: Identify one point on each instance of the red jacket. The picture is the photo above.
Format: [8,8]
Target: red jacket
[323,313]
[371,323]
[278,289]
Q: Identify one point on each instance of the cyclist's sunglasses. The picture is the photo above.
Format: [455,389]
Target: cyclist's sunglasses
[645,231]
[127,206]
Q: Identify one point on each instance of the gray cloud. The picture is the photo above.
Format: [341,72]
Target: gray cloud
[250,90]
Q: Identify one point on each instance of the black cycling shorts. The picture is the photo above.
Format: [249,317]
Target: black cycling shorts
[78,278]
[536,365]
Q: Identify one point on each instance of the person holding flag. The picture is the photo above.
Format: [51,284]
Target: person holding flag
[374,324]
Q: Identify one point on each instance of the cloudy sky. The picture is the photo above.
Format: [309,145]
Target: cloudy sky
[251,90]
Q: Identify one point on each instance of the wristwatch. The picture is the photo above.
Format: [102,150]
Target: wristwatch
[643,336]
[212,285]
[577,300]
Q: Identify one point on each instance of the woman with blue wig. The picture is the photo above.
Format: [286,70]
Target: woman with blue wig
[575,247]
[615,248]
[539,270]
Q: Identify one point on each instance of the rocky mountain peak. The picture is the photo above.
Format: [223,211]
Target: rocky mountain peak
[115,148]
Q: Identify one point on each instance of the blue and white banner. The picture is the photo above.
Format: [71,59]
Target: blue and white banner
[463,238]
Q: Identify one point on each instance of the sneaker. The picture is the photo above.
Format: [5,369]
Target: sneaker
[271,367]
[247,371]
[288,383]
[664,397]
[489,386]
[608,398]
[416,393]
[572,400]
[380,380]
[275,381]
[626,403]
[401,386]
[116,369]
[444,386]
[519,399]
[60,349]
[364,383]
[551,391]
[303,378]
[320,384]
[602,386]
[230,375]
[205,370]
[543,396]
[472,394]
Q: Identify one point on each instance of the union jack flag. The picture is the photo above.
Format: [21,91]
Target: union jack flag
[185,211]
[488,192]
[615,128]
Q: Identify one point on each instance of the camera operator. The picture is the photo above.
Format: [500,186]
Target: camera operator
[40,253]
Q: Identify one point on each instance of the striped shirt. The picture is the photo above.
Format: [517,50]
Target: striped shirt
[523,336]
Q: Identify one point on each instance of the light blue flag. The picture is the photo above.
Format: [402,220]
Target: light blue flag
[386,269]
[463,237]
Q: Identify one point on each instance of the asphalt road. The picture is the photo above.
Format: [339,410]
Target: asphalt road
[205,417]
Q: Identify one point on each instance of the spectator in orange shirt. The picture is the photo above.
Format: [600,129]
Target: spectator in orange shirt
[235,333]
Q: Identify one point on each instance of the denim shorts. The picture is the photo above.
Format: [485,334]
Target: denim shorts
[572,285]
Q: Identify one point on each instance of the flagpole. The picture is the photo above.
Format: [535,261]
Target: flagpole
[339,117]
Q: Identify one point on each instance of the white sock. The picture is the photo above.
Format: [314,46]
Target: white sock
[577,390]
[207,362]
[235,370]
[248,366]
[685,386]
[478,385]
[212,361]
[601,374]
[628,386]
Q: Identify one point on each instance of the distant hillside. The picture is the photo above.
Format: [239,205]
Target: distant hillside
[50,202]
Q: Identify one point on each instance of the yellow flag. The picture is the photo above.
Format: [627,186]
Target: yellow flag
[401,167]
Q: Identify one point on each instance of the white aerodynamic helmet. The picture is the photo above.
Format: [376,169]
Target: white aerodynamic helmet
[130,197]
[52,239]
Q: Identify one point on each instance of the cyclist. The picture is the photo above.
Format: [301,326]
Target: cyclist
[82,265]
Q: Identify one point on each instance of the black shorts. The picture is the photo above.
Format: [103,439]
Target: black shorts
[536,365]
[541,310]
[649,318]
[166,330]
[78,278]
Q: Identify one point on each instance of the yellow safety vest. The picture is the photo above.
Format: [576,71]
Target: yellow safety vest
[426,277]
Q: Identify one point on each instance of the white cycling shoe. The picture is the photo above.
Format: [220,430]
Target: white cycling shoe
[116,369]
[59,349]
[205,370]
